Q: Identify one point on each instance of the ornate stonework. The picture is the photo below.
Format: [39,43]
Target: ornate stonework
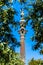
[22,33]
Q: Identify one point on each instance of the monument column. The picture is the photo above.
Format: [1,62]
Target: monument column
[22,33]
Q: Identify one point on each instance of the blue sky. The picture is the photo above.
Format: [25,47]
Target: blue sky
[29,53]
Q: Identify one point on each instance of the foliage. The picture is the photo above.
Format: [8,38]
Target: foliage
[6,21]
[8,56]
[22,1]
[37,24]
[35,62]
[36,15]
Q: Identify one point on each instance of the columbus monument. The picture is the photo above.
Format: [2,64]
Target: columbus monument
[22,33]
